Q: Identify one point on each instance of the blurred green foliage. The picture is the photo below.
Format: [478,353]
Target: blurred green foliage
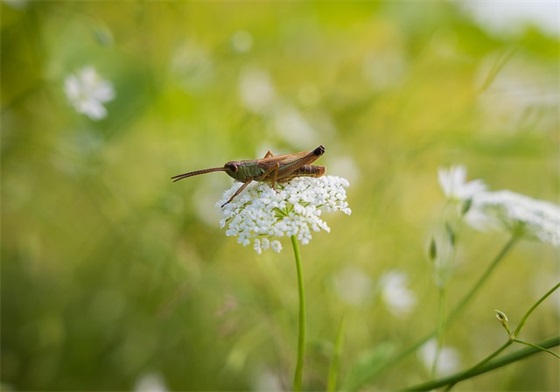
[111,272]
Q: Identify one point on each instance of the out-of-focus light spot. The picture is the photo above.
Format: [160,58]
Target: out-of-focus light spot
[242,41]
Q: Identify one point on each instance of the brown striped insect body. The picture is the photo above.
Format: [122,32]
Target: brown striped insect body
[272,169]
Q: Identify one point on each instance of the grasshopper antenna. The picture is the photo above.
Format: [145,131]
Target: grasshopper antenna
[196,173]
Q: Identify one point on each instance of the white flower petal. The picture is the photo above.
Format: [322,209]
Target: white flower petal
[454,185]
[87,92]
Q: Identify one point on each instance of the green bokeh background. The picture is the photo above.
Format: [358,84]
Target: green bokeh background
[111,272]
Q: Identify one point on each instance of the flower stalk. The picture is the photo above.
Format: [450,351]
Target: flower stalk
[298,375]
[261,215]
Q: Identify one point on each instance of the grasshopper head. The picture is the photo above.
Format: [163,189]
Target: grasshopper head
[232,169]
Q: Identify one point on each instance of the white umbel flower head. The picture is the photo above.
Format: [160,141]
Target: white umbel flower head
[516,213]
[502,210]
[261,215]
[87,92]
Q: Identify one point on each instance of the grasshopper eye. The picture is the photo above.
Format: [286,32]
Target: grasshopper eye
[231,167]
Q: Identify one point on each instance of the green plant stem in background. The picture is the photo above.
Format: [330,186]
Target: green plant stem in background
[505,250]
[528,313]
[440,327]
[335,361]
[513,336]
[478,370]
[455,312]
[537,347]
[298,375]
[443,321]
[512,339]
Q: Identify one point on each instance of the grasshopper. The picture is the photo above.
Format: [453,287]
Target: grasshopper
[273,169]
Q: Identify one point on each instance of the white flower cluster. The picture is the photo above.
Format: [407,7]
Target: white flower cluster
[502,209]
[260,215]
[512,211]
[87,92]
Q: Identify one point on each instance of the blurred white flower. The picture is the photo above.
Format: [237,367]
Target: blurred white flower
[260,214]
[398,298]
[516,213]
[87,92]
[345,164]
[242,41]
[521,97]
[256,90]
[512,17]
[192,66]
[16,4]
[353,286]
[448,358]
[502,210]
[384,69]
[454,185]
[267,380]
[150,382]
[292,125]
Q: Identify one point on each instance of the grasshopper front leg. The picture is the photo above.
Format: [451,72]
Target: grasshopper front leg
[237,192]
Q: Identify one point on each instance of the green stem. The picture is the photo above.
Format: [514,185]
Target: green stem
[440,327]
[298,376]
[483,278]
[335,362]
[454,313]
[512,339]
[494,354]
[478,370]
[528,313]
[537,347]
